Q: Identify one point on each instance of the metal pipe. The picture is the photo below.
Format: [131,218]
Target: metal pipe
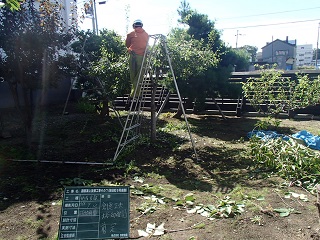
[163,38]
[60,162]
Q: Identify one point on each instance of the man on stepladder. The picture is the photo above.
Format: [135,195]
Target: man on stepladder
[136,44]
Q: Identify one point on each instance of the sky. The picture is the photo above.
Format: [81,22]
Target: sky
[241,22]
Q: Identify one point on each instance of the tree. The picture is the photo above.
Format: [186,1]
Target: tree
[87,49]
[113,67]
[102,66]
[252,50]
[34,47]
[212,80]
[191,59]
[239,57]
[13,5]
[184,11]
[315,54]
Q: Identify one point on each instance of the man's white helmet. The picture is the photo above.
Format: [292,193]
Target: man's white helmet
[137,23]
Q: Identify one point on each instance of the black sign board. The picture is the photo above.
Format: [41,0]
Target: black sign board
[95,213]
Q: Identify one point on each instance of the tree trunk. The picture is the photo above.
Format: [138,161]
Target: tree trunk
[179,112]
[153,108]
[105,111]
[27,115]
[199,105]
[24,112]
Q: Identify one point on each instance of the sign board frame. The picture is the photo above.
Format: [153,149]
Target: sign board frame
[95,213]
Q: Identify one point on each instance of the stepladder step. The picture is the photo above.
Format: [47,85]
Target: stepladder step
[133,126]
[130,140]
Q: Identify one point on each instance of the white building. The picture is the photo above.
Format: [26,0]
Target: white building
[68,11]
[304,55]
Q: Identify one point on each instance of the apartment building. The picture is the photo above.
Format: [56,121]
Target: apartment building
[68,11]
[304,55]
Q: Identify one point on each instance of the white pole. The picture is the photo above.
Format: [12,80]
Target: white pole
[237,38]
[95,17]
[317,47]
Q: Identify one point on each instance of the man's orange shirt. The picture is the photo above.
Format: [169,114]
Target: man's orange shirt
[137,41]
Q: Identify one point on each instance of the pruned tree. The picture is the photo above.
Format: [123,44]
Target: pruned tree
[209,62]
[34,47]
[102,67]
[191,59]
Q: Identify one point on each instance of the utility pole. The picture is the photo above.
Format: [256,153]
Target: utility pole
[237,35]
[89,9]
[93,12]
[272,50]
[95,18]
[317,47]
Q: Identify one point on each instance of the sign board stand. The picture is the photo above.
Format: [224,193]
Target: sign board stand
[95,213]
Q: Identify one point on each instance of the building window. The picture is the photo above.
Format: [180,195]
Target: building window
[282,52]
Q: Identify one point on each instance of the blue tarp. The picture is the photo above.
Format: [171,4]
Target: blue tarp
[266,135]
[309,139]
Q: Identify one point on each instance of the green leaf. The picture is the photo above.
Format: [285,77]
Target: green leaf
[229,209]
[143,233]
[199,226]
[179,203]
[205,214]
[295,195]
[193,210]
[137,192]
[260,198]
[159,230]
[284,214]
[200,211]
[281,210]
[287,195]
[189,197]
[189,203]
[210,207]
[304,197]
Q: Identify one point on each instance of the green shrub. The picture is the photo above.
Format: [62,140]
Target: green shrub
[85,106]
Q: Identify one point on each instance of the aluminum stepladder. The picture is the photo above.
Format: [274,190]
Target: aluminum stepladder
[131,129]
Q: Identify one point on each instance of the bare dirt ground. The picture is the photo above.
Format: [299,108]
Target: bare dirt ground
[161,175]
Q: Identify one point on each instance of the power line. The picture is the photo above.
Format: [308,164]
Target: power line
[272,24]
[272,13]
